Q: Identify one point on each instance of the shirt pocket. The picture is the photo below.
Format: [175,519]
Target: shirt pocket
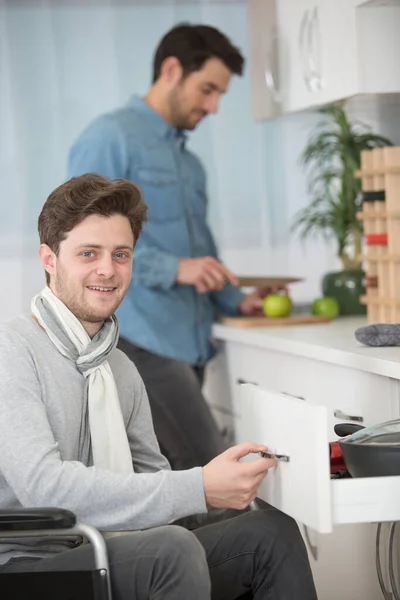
[161,192]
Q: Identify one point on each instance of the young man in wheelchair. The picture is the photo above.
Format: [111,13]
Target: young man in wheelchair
[76,432]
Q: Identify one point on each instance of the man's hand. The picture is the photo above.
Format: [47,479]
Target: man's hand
[252,304]
[231,484]
[205,274]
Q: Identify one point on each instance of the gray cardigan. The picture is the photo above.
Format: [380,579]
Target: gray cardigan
[45,457]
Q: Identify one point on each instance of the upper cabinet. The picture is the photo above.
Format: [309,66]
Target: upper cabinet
[306,53]
[263,63]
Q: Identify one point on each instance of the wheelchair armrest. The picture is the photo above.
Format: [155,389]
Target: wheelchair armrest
[25,519]
[32,522]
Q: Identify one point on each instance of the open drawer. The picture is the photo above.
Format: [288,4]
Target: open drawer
[302,487]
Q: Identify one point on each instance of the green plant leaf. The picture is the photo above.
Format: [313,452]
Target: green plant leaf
[331,156]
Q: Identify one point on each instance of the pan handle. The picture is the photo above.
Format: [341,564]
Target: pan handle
[341,415]
[343,429]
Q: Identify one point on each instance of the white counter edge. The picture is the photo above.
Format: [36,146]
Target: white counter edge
[358,359]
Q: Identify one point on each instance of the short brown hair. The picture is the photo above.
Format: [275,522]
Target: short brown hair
[89,194]
[193,45]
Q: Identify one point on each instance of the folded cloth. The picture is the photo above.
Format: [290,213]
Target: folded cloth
[382,334]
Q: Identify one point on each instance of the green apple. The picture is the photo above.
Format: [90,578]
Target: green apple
[325,307]
[277,305]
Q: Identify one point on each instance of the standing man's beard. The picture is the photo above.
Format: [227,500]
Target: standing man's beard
[177,118]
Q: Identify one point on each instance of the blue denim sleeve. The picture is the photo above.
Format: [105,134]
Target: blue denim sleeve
[102,149]
[227,300]
[153,267]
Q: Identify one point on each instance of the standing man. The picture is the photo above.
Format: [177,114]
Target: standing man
[179,284]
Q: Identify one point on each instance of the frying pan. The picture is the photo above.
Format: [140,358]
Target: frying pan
[371,451]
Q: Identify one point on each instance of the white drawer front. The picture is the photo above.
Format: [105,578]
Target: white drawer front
[349,394]
[366,500]
[275,371]
[302,487]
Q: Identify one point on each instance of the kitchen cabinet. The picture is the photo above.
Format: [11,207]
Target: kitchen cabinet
[348,394]
[277,31]
[287,387]
[217,393]
[337,56]
[321,51]
[263,64]
[299,31]
[303,489]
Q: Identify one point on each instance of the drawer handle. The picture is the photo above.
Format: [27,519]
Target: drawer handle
[293,396]
[242,381]
[341,415]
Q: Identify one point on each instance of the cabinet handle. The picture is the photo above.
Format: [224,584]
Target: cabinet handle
[242,381]
[305,26]
[271,62]
[293,396]
[341,415]
[314,59]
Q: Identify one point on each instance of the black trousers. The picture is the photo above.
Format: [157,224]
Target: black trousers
[185,428]
[259,555]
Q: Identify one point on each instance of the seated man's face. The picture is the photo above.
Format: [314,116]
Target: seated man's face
[92,271]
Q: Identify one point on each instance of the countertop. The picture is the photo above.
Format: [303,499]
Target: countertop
[332,342]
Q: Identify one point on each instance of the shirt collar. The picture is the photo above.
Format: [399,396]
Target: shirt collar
[157,121]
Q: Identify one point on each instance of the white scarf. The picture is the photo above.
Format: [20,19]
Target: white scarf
[110,447]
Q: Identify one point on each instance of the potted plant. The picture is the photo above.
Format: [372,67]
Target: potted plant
[331,156]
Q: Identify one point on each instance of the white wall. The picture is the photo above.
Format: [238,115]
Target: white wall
[63,63]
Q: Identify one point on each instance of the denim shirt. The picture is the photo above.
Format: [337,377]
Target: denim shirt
[158,314]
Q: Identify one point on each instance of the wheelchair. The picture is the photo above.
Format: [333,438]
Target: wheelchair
[53,585]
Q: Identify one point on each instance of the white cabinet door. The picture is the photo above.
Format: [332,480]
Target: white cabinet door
[349,551]
[217,394]
[322,59]
[285,54]
[378,44]
[299,34]
[263,59]
[336,56]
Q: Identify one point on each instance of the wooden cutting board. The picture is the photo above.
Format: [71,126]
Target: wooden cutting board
[273,322]
[261,281]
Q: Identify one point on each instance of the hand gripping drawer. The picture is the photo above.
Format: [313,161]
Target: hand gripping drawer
[302,487]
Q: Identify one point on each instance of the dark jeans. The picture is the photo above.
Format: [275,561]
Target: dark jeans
[258,555]
[185,428]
